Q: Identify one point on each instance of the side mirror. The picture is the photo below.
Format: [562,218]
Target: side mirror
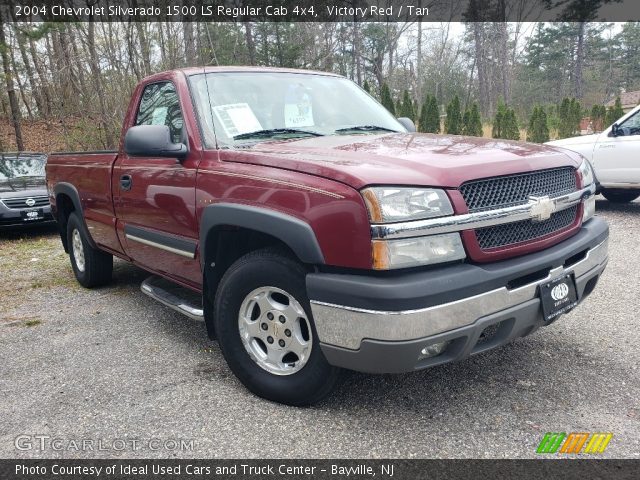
[407,123]
[152,141]
[614,130]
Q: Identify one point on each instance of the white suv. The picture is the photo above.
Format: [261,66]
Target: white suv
[614,155]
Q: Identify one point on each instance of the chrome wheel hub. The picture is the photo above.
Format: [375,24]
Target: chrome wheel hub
[78,249]
[275,330]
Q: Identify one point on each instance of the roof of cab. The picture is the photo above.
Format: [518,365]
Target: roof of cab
[231,68]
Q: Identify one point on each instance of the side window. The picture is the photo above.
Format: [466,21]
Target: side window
[631,126]
[160,106]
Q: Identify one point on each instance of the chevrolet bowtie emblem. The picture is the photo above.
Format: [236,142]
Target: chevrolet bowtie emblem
[541,208]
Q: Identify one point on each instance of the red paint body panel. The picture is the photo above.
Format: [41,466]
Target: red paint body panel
[406,159]
[91,176]
[316,180]
[335,212]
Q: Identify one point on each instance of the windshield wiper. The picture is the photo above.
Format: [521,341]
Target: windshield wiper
[365,128]
[272,132]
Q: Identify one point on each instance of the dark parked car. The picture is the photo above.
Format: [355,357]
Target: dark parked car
[23,191]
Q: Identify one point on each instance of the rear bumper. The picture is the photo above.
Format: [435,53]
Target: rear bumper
[381,324]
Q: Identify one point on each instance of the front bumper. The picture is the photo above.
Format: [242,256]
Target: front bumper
[10,217]
[381,324]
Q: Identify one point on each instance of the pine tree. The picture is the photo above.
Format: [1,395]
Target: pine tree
[406,107]
[505,123]
[511,129]
[387,100]
[366,87]
[565,126]
[453,121]
[429,116]
[614,113]
[499,120]
[538,130]
[598,117]
[472,124]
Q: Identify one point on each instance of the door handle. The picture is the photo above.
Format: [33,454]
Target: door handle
[126,182]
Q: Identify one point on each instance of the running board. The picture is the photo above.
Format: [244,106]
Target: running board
[174,296]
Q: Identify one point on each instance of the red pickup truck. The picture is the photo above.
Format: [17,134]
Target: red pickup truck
[312,231]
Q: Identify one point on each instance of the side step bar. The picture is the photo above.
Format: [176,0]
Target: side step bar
[174,296]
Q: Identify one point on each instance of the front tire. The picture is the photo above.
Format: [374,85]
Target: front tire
[266,332]
[620,196]
[92,267]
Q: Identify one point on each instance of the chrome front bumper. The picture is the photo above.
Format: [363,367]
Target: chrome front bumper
[346,327]
[387,340]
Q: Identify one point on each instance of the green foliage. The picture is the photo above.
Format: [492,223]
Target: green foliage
[366,87]
[505,124]
[598,117]
[471,122]
[429,121]
[570,114]
[406,107]
[614,113]
[387,100]
[538,130]
[453,121]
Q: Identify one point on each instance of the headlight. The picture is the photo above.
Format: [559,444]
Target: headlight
[588,178]
[586,173]
[412,252]
[401,204]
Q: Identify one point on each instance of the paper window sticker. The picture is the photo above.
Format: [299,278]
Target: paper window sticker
[298,111]
[159,116]
[237,118]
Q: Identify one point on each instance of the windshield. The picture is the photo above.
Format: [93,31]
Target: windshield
[241,107]
[18,166]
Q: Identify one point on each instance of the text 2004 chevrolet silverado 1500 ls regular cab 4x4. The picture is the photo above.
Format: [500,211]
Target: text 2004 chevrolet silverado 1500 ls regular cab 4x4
[317,232]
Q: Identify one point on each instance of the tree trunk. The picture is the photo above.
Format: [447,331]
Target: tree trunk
[419,64]
[251,44]
[97,83]
[189,43]
[503,60]
[577,74]
[44,86]
[13,101]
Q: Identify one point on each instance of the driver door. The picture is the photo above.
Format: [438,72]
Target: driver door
[155,196]
[617,159]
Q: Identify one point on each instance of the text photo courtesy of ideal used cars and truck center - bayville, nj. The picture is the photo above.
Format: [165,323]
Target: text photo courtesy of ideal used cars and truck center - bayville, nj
[319,239]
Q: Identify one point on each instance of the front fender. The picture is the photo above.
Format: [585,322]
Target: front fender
[295,233]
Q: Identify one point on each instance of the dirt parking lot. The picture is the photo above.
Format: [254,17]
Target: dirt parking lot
[114,367]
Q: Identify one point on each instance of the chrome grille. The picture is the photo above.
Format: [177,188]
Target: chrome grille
[498,192]
[518,232]
[21,202]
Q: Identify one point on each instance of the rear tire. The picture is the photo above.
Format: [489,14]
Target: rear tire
[92,267]
[266,331]
[620,196]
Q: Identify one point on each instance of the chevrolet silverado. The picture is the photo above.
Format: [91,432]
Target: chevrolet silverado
[312,231]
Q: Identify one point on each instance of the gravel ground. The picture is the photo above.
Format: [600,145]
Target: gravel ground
[112,365]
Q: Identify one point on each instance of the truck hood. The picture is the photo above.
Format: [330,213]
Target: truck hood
[405,158]
[575,141]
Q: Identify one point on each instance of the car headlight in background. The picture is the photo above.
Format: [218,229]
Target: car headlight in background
[401,204]
[588,178]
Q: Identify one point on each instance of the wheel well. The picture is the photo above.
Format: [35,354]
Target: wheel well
[226,244]
[223,246]
[64,207]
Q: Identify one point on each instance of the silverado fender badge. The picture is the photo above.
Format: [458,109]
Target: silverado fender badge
[541,208]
